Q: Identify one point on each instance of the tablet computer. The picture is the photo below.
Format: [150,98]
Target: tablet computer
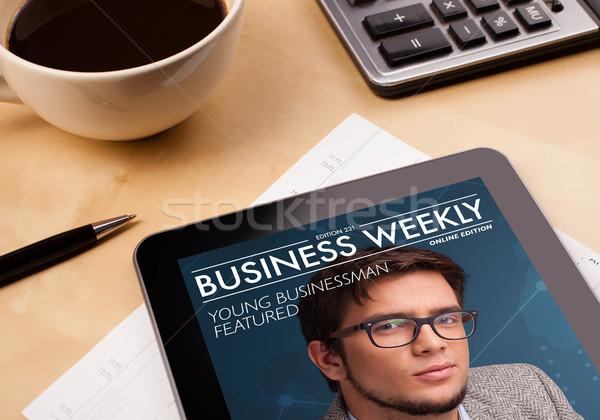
[225,294]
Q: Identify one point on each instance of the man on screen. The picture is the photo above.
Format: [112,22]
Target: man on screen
[394,346]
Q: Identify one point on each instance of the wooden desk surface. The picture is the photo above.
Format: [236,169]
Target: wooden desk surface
[291,83]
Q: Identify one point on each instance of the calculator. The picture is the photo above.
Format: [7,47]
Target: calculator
[404,46]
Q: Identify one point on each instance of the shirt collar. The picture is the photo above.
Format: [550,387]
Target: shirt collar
[462,413]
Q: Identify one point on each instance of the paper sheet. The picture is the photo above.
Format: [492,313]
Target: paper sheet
[123,377]
[356,148]
[587,261]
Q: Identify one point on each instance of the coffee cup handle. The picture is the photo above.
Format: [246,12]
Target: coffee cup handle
[6,92]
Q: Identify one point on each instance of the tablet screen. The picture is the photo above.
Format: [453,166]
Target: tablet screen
[246,295]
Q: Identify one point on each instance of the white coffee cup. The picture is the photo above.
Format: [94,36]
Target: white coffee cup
[125,104]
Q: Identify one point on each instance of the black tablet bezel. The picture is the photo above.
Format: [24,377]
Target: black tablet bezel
[188,361]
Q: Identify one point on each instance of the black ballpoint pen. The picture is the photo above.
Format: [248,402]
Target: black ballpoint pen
[26,260]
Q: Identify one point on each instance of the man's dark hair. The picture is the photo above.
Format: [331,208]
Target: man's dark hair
[321,313]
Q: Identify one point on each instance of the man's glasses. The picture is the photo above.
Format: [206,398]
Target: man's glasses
[400,331]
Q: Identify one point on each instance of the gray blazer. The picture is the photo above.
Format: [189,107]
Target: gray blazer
[502,392]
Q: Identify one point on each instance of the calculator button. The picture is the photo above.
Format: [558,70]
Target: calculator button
[513,2]
[397,21]
[557,6]
[449,9]
[357,2]
[419,45]
[467,33]
[482,6]
[533,16]
[500,24]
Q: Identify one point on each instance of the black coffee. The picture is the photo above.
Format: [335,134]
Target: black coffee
[104,35]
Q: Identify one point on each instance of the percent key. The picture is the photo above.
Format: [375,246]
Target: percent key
[500,25]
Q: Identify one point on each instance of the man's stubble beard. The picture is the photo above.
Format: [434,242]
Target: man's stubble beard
[404,405]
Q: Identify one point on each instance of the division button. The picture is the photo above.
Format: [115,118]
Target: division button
[397,21]
[533,16]
[358,2]
[482,6]
[467,33]
[500,24]
[449,9]
[415,46]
